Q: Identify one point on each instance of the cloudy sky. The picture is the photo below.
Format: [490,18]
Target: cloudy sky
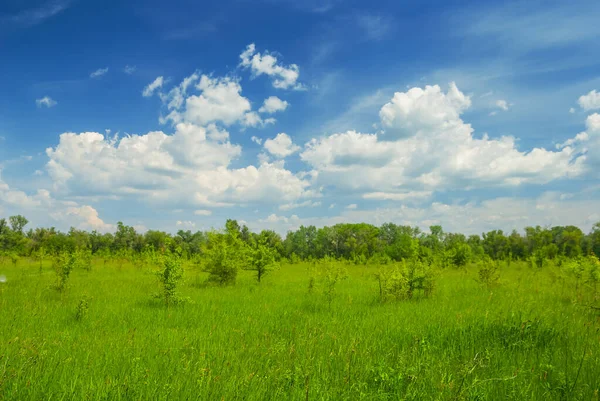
[175,115]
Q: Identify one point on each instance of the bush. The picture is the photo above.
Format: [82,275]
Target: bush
[63,264]
[169,276]
[82,308]
[404,280]
[225,255]
[488,273]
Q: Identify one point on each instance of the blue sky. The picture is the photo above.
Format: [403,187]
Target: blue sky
[178,115]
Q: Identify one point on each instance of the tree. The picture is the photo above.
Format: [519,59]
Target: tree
[225,254]
[169,275]
[18,223]
[262,259]
[595,239]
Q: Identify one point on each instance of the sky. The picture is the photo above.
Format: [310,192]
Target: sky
[475,115]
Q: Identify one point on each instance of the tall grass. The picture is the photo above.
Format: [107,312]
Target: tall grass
[528,338]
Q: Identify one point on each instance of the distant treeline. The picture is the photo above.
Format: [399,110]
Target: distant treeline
[357,242]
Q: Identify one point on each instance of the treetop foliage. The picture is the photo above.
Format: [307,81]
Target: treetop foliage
[355,242]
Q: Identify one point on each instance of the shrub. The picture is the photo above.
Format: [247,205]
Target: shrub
[83,259]
[333,274]
[169,275]
[404,280]
[82,308]
[63,264]
[488,273]
[225,254]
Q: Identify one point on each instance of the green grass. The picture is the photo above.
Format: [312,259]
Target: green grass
[529,338]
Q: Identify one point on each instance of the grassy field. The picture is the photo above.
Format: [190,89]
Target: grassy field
[529,338]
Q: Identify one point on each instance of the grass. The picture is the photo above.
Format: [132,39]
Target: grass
[528,338]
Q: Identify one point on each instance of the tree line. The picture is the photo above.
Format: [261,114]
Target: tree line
[355,242]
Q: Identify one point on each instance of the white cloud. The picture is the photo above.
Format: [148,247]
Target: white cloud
[398,196]
[129,69]
[591,101]
[46,101]
[504,213]
[41,206]
[37,15]
[253,119]
[203,212]
[88,218]
[188,167]
[352,206]
[593,123]
[220,100]
[186,224]
[284,77]
[502,104]
[295,205]
[428,147]
[281,146]
[153,86]
[256,140]
[273,104]
[423,110]
[571,110]
[99,72]
[273,218]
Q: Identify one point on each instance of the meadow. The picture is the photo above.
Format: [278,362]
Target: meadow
[531,335]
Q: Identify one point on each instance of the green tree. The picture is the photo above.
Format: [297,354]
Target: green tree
[225,254]
[18,223]
[261,259]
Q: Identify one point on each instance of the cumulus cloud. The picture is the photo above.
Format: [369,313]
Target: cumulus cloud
[88,218]
[256,140]
[189,167]
[99,72]
[42,205]
[423,110]
[591,101]
[46,101]
[284,77]
[273,104]
[220,100]
[253,119]
[506,213]
[427,146]
[281,146]
[153,86]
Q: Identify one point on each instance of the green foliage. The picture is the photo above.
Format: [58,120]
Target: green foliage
[403,280]
[261,259]
[169,276]
[224,256]
[83,259]
[63,265]
[332,274]
[460,254]
[488,273]
[82,308]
